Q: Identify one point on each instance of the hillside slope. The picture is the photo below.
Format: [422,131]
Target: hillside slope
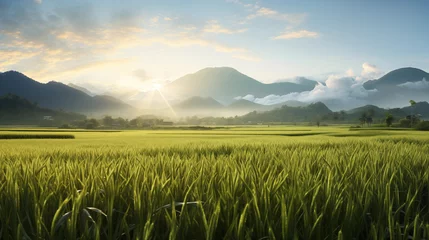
[16,110]
[227,83]
[55,95]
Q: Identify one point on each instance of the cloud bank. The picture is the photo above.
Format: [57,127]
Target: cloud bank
[337,92]
[420,85]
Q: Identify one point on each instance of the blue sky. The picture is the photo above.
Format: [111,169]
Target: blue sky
[129,43]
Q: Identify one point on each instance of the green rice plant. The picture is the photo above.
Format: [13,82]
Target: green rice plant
[140,185]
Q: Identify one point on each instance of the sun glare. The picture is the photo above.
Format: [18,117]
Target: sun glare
[156,86]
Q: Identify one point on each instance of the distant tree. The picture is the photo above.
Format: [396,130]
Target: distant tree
[108,121]
[121,122]
[406,122]
[363,118]
[369,121]
[389,119]
[413,104]
[92,123]
[370,113]
[318,119]
[343,114]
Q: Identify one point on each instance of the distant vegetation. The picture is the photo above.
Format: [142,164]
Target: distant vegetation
[36,136]
[15,110]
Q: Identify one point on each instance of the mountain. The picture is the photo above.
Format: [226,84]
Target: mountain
[366,108]
[199,103]
[242,103]
[397,87]
[289,103]
[82,89]
[312,112]
[16,110]
[55,95]
[224,84]
[301,81]
[397,77]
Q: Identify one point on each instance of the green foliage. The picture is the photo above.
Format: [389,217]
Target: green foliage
[406,123]
[389,119]
[423,126]
[36,136]
[243,183]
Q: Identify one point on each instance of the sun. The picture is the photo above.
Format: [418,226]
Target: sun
[156,86]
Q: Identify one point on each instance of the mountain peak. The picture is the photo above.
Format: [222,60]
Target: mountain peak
[13,73]
[396,77]
[218,69]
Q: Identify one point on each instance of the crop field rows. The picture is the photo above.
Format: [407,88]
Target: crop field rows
[235,183]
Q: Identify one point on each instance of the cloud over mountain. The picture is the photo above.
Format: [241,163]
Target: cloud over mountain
[423,84]
[338,92]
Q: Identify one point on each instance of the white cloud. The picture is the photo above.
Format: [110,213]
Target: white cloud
[294,19]
[167,19]
[248,97]
[297,34]
[339,92]
[259,11]
[214,27]
[370,71]
[38,1]
[423,84]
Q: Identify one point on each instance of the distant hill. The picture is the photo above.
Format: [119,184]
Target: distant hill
[197,103]
[367,108]
[421,108]
[16,110]
[226,83]
[312,112]
[245,104]
[290,103]
[55,95]
[82,89]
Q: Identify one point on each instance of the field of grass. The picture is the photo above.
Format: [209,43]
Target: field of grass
[228,183]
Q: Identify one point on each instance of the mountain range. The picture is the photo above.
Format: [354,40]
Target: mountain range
[56,95]
[213,91]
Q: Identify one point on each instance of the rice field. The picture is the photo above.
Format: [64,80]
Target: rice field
[227,183]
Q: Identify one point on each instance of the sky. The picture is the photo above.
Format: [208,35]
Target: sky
[114,44]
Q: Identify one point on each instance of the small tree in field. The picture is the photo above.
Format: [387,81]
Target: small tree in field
[413,104]
[363,118]
[389,119]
